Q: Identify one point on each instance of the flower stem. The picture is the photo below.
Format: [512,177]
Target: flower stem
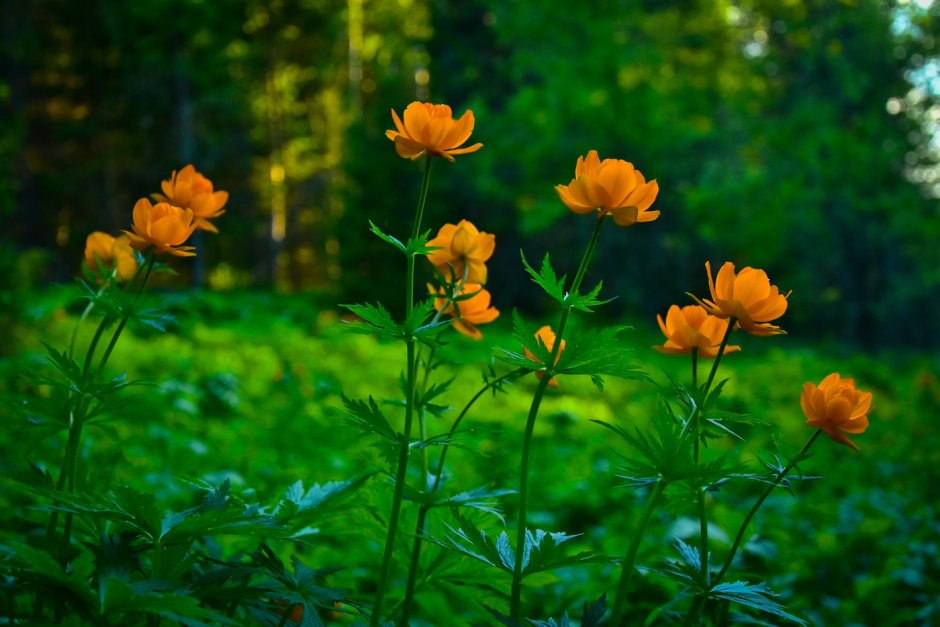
[760,501]
[426,507]
[515,598]
[626,573]
[404,437]
[148,268]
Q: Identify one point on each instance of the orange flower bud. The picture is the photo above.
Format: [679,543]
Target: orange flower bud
[188,189]
[105,254]
[748,296]
[464,249]
[836,406]
[611,186]
[546,337]
[431,128]
[467,312]
[162,226]
[691,327]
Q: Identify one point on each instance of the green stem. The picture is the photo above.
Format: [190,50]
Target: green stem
[515,598]
[78,324]
[424,509]
[453,429]
[77,420]
[151,258]
[693,419]
[627,566]
[405,436]
[760,501]
[691,617]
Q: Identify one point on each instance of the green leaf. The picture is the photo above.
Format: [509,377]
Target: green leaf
[596,352]
[118,597]
[757,596]
[542,550]
[66,366]
[482,499]
[586,302]
[375,321]
[394,241]
[368,418]
[525,335]
[546,278]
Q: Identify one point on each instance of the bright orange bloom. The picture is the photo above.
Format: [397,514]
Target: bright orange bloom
[611,186]
[105,254]
[431,128]
[546,337]
[691,327]
[748,296]
[836,406]
[467,312]
[162,226]
[188,189]
[463,248]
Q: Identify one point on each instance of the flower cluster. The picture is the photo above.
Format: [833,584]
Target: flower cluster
[187,204]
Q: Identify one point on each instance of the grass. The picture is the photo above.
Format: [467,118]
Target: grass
[247,387]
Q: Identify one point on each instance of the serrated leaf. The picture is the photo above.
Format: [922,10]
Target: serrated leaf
[757,596]
[594,614]
[482,499]
[551,622]
[375,321]
[66,366]
[546,278]
[597,352]
[394,241]
[368,418]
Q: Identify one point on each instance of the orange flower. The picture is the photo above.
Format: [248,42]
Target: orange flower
[546,337]
[692,327]
[836,406]
[296,614]
[463,248]
[611,186]
[748,296]
[188,189]
[105,255]
[467,312]
[431,128]
[162,226]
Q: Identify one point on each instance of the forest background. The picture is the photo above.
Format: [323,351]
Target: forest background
[799,137]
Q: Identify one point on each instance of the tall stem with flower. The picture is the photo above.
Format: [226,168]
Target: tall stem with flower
[610,187]
[427,131]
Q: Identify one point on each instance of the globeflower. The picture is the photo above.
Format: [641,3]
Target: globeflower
[746,296]
[691,327]
[611,186]
[431,128]
[106,254]
[469,309]
[836,406]
[162,226]
[462,248]
[546,337]
[188,189]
